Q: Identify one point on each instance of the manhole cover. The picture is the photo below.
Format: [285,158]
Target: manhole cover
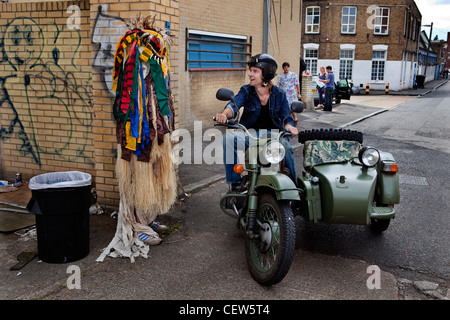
[419,181]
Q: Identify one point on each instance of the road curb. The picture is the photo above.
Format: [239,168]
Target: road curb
[431,90]
[363,118]
[197,186]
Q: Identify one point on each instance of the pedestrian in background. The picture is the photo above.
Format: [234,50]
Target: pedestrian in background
[322,76]
[329,86]
[289,83]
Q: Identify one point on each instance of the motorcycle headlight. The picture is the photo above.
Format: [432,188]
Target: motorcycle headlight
[369,156]
[273,152]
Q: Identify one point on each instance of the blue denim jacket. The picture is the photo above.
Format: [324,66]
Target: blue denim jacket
[248,98]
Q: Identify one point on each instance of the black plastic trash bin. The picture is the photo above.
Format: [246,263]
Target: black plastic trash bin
[420,81]
[61,202]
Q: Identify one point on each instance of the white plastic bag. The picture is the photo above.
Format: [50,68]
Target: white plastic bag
[68,179]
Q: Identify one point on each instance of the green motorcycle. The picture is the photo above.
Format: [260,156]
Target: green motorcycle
[342,182]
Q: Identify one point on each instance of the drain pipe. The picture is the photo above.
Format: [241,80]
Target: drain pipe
[266,26]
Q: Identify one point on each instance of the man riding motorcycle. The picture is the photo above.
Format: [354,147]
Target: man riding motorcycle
[342,181]
[265,108]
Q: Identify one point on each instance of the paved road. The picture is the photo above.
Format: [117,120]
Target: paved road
[418,135]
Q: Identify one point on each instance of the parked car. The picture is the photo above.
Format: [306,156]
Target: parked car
[342,90]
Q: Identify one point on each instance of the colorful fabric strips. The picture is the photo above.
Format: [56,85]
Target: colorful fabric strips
[143,96]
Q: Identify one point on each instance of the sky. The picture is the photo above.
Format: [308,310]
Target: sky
[438,12]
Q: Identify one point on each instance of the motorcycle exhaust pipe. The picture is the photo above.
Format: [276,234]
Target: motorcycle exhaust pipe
[233,204]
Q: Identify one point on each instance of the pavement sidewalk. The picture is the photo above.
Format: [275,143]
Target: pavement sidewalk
[428,87]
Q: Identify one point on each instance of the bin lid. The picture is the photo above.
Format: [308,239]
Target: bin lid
[65,179]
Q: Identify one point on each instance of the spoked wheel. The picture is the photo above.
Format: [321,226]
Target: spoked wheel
[270,255]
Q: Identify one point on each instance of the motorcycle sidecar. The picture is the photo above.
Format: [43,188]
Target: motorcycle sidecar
[339,185]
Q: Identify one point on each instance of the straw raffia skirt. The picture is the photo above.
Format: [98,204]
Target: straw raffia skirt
[146,189]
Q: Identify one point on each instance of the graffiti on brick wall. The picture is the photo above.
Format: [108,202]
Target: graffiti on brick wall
[106,34]
[45,99]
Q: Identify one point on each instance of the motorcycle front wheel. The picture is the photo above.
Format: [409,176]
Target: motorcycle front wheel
[270,255]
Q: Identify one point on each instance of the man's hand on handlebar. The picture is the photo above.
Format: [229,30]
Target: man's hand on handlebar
[221,118]
[293,130]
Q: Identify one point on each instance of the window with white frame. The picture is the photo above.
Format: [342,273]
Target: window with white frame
[311,57]
[346,64]
[312,20]
[348,23]
[378,65]
[381,21]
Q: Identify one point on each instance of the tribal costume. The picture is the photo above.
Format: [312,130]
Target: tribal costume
[144,111]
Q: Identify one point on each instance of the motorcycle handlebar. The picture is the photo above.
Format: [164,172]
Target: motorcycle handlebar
[287,133]
[234,124]
[230,122]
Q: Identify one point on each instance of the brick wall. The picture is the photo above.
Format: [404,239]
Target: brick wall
[55,98]
[45,102]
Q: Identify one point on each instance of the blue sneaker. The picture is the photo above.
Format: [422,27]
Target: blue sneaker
[156,226]
[148,239]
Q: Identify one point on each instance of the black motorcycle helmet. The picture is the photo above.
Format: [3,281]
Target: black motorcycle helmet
[266,63]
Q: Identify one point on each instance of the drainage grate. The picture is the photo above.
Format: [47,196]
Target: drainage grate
[418,181]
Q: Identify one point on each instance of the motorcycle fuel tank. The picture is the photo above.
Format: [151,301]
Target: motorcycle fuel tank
[346,191]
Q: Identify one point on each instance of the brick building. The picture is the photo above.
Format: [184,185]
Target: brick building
[440,49]
[365,42]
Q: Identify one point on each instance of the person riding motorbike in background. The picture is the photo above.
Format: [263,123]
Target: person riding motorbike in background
[265,108]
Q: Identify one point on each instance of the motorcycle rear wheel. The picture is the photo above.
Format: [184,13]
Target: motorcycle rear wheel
[269,263]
